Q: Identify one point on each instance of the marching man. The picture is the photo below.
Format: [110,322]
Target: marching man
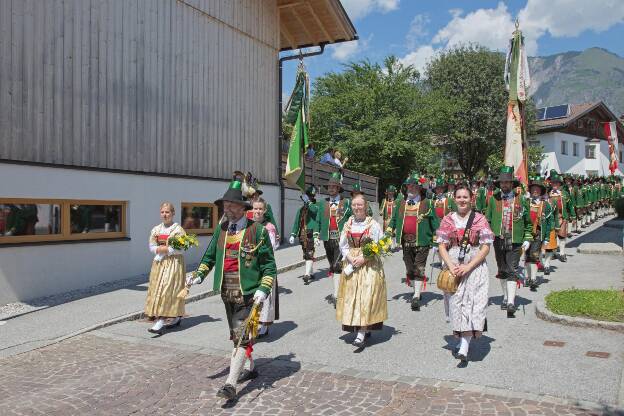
[387,207]
[414,223]
[241,255]
[305,228]
[333,213]
[508,215]
[540,213]
[563,213]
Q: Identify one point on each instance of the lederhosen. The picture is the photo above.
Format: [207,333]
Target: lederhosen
[507,253]
[389,208]
[306,237]
[237,305]
[557,202]
[532,255]
[414,257]
[332,248]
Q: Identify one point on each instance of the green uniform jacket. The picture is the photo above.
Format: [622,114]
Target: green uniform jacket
[567,208]
[581,201]
[545,222]
[427,225]
[260,272]
[521,227]
[344,212]
[451,206]
[382,208]
[480,200]
[311,223]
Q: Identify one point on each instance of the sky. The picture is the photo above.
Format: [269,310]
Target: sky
[414,30]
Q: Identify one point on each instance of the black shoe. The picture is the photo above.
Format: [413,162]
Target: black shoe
[533,287]
[511,310]
[368,334]
[247,375]
[227,392]
[306,279]
[504,305]
[263,335]
[546,271]
[563,258]
[415,304]
[359,345]
[177,323]
[463,361]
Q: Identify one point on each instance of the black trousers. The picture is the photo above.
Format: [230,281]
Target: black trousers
[307,246]
[507,259]
[334,256]
[415,259]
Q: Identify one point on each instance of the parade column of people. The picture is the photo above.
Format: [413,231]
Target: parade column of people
[414,224]
[241,255]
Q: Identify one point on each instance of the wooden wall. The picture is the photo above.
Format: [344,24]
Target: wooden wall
[163,86]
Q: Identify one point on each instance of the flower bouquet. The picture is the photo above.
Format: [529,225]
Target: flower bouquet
[370,250]
[183,242]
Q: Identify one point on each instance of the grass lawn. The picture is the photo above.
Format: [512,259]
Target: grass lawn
[602,305]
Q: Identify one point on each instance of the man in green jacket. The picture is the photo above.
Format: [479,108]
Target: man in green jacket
[241,255]
[508,215]
[414,224]
[333,213]
[306,229]
[540,213]
[562,216]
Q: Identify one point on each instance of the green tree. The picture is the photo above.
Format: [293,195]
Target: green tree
[380,118]
[472,76]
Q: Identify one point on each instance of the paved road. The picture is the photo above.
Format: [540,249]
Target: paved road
[309,367]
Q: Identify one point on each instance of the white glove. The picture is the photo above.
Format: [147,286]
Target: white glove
[192,280]
[259,296]
[317,242]
[305,198]
[291,240]
[525,245]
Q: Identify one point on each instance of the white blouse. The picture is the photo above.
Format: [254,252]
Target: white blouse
[374,232]
[153,245]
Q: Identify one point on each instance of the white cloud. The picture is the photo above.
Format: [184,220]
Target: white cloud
[347,50]
[357,9]
[493,27]
[419,58]
[418,30]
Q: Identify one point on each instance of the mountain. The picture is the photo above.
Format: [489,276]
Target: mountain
[579,77]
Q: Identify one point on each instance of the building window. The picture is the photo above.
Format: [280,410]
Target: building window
[590,151]
[579,124]
[41,220]
[199,218]
[564,147]
[575,149]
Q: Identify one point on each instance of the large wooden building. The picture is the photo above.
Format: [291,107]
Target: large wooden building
[108,108]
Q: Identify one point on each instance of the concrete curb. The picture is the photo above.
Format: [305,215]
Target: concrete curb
[133,316]
[610,249]
[543,313]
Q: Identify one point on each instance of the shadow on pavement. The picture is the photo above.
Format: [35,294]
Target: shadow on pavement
[599,235]
[520,301]
[278,330]
[479,348]
[377,337]
[192,321]
[270,371]
[283,290]
[425,297]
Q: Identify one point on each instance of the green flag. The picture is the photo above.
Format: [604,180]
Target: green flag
[296,112]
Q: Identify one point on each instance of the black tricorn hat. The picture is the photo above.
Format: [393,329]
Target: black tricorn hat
[234,194]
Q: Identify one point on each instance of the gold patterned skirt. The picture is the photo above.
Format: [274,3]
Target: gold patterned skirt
[167,279]
[362,299]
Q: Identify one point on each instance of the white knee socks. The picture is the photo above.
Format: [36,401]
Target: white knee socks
[532,271]
[503,284]
[360,335]
[417,286]
[308,267]
[447,309]
[511,291]
[236,365]
[547,257]
[336,279]
[562,246]
[464,344]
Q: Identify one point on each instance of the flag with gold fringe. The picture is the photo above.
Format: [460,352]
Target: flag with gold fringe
[297,113]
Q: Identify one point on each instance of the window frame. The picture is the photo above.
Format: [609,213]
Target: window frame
[575,149]
[66,234]
[201,231]
[564,147]
[587,147]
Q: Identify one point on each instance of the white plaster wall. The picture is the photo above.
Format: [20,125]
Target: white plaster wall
[28,272]
[570,163]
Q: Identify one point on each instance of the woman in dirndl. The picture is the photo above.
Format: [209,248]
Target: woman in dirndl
[362,304]
[469,302]
[270,306]
[167,276]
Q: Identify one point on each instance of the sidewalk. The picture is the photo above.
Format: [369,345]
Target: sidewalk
[49,324]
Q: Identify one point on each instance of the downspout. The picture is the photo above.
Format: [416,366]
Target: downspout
[279,122]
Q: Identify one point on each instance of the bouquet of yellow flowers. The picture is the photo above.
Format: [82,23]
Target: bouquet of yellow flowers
[377,249]
[183,242]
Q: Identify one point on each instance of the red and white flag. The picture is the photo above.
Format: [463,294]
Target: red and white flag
[610,130]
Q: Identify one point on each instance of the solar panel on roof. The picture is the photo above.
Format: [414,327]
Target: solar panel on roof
[557,111]
[540,113]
